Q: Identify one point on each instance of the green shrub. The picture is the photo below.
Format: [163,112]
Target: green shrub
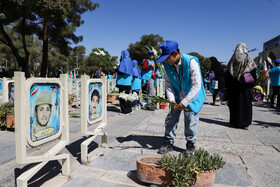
[5,108]
[207,162]
[185,170]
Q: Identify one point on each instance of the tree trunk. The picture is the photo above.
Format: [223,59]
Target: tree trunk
[26,67]
[22,62]
[44,67]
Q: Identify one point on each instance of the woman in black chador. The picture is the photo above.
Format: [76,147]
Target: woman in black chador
[218,69]
[240,78]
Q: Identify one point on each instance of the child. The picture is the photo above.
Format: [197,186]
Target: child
[184,88]
[136,84]
[148,76]
[124,78]
[274,75]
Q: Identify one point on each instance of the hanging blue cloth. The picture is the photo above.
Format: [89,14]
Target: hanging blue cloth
[126,65]
[136,70]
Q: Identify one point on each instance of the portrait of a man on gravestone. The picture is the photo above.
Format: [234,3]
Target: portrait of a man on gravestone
[42,113]
[95,100]
[11,90]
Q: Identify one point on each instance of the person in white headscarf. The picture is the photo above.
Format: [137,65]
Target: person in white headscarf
[240,78]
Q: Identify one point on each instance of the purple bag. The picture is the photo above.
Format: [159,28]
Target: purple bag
[248,78]
[223,94]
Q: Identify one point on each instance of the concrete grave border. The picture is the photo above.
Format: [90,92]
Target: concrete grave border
[84,115]
[21,127]
[5,89]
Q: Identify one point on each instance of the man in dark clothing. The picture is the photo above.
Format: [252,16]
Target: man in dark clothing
[218,69]
[99,72]
[60,71]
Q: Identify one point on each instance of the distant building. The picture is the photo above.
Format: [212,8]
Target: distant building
[273,46]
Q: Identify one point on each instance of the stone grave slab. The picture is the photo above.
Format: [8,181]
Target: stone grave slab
[233,175]
[86,182]
[118,160]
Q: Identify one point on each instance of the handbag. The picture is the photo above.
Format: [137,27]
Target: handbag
[248,78]
[223,94]
[214,84]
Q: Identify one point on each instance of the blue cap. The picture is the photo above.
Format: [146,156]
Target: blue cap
[150,52]
[277,60]
[168,47]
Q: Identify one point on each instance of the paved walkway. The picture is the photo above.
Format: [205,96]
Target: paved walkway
[252,156]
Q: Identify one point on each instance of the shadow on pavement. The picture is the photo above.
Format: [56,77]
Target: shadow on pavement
[49,171]
[216,122]
[133,176]
[266,124]
[75,148]
[113,109]
[147,142]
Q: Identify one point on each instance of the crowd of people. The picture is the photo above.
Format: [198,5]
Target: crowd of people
[131,78]
[185,88]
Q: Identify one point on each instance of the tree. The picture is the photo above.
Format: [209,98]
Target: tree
[53,21]
[95,60]
[204,62]
[138,50]
[77,57]
[8,60]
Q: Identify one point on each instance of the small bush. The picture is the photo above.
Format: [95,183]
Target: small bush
[5,108]
[185,170]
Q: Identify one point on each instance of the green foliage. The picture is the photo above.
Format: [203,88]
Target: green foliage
[25,18]
[138,50]
[94,61]
[5,108]
[185,170]
[204,62]
[207,162]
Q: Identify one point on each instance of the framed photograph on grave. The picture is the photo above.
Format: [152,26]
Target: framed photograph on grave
[79,88]
[11,91]
[1,86]
[95,102]
[44,113]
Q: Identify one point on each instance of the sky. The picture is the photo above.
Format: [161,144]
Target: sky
[208,27]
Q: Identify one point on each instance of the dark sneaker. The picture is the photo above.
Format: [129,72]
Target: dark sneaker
[245,128]
[151,108]
[271,105]
[189,148]
[166,147]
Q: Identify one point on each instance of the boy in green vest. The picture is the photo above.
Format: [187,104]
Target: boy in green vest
[184,88]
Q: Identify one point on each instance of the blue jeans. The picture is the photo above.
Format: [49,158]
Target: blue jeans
[150,88]
[137,101]
[171,122]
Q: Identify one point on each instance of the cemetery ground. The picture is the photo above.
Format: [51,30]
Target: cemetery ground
[252,156]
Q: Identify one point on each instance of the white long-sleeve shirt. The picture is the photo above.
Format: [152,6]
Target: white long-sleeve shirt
[195,80]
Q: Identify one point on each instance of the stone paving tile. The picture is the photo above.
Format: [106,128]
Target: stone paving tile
[210,133]
[123,177]
[155,129]
[264,171]
[243,137]
[7,146]
[240,149]
[232,174]
[89,172]
[118,160]
[85,182]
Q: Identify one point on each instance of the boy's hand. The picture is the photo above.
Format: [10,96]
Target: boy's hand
[173,104]
[179,106]
[153,65]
